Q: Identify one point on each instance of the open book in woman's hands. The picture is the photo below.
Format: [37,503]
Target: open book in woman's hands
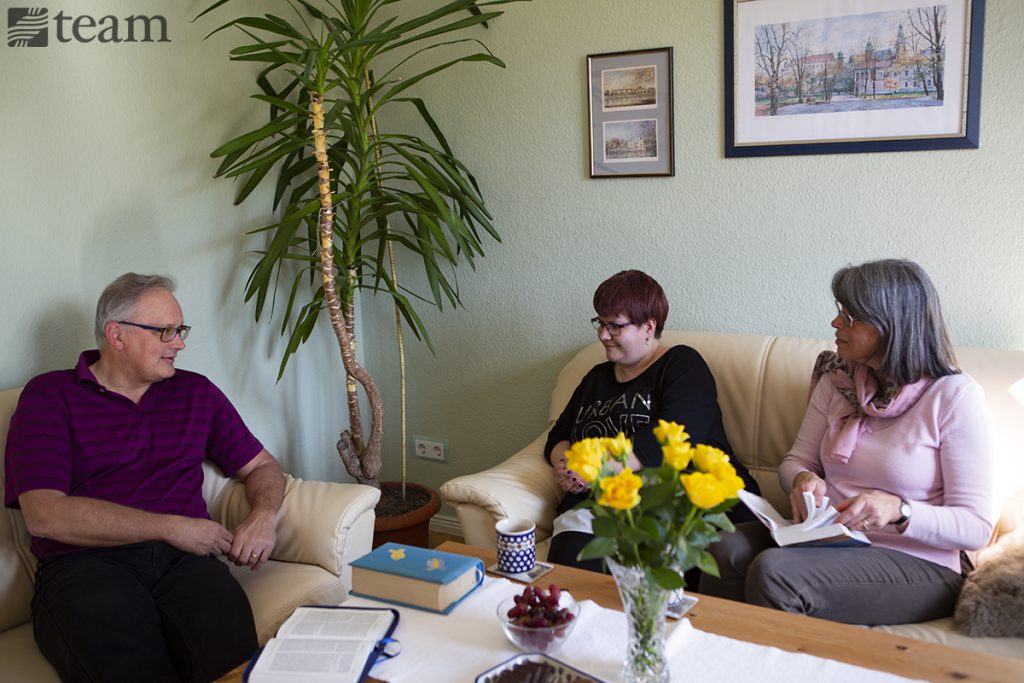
[819,527]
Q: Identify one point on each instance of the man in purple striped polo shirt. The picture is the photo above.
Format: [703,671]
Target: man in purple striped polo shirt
[105,462]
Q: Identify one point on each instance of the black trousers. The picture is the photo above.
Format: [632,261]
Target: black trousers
[141,612]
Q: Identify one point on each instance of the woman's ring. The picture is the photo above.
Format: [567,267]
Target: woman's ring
[254,556]
[865,525]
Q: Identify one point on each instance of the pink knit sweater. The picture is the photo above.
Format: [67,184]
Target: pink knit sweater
[937,455]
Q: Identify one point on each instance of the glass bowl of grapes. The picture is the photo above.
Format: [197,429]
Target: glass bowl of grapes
[538,620]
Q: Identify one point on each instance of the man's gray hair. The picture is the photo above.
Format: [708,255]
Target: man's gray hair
[898,299]
[118,300]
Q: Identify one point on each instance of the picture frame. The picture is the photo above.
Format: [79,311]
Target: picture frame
[631,126]
[850,76]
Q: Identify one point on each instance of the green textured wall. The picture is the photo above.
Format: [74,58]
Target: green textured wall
[740,245]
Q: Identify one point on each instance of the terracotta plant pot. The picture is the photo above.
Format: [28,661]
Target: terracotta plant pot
[410,528]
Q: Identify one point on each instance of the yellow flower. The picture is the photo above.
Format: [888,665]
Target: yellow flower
[708,456]
[622,491]
[585,458]
[677,454]
[704,490]
[667,432]
[619,446]
[727,477]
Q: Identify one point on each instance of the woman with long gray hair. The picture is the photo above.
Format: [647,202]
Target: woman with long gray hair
[900,442]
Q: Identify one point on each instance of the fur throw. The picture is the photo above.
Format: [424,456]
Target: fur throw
[992,598]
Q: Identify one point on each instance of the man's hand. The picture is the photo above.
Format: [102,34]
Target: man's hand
[198,536]
[805,481]
[254,539]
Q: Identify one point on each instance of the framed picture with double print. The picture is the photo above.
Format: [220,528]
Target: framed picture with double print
[838,76]
[631,113]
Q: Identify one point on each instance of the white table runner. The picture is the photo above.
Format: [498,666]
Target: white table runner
[459,646]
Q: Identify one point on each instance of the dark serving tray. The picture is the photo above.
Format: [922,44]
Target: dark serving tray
[563,673]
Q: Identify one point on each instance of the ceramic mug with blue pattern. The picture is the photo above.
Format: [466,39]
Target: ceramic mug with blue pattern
[517,545]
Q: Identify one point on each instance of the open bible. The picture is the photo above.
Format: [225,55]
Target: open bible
[329,644]
[818,528]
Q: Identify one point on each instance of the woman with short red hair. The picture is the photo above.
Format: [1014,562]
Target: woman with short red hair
[641,382]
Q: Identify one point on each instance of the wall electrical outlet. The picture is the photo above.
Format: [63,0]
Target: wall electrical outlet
[430,449]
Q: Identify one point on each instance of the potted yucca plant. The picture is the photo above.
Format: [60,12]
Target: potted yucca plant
[346,192]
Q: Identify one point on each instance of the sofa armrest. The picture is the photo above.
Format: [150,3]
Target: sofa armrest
[522,486]
[322,523]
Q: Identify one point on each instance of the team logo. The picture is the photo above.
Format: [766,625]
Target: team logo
[27,27]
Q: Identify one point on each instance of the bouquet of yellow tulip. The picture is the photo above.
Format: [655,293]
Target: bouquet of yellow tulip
[661,519]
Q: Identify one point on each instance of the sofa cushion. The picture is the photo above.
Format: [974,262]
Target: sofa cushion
[16,562]
[15,579]
[315,523]
[1001,375]
[941,631]
[277,588]
[22,660]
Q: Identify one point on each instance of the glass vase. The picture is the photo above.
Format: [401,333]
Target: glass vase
[644,603]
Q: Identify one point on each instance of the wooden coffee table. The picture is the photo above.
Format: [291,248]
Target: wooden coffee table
[852,644]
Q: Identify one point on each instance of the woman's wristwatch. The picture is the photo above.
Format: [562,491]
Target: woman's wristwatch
[904,513]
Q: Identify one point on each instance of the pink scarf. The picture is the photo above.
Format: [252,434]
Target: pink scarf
[861,390]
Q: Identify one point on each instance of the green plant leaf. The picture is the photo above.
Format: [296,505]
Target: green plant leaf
[293,166]
[262,160]
[210,9]
[720,520]
[443,30]
[605,526]
[598,547]
[270,25]
[244,142]
[259,47]
[282,104]
[667,578]
[656,496]
[650,530]
[706,563]
[409,82]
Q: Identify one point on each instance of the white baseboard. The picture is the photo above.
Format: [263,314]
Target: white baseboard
[446,524]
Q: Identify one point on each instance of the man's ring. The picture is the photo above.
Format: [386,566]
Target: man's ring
[866,525]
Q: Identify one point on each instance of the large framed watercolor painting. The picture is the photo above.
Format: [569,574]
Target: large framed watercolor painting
[836,76]
[631,113]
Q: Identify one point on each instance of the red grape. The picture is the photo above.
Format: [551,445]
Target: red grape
[537,608]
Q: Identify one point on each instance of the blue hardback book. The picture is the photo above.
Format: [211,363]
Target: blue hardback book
[416,577]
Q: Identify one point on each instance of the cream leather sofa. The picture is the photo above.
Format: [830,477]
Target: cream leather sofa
[321,528]
[762,389]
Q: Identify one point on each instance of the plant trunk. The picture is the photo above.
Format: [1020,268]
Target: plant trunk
[362,461]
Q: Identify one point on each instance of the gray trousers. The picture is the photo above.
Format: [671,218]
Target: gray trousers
[851,585]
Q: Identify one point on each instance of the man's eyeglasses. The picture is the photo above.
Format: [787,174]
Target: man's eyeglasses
[613,328]
[167,334]
[848,320]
